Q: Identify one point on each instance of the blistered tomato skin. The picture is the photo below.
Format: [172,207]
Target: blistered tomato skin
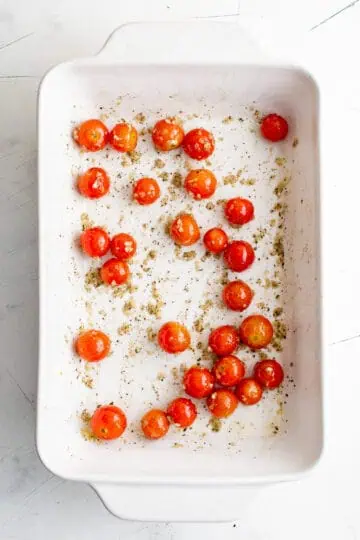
[114,272]
[174,337]
[237,295]
[224,340]
[239,255]
[200,183]
[269,373]
[182,411]
[199,144]
[146,191]
[167,134]
[94,183]
[92,345]
[198,382]
[108,422]
[229,370]
[222,403]
[256,331]
[155,424]
[239,211]
[274,127]
[248,391]
[184,230]
[123,137]
[92,135]
[216,240]
[95,242]
[123,246]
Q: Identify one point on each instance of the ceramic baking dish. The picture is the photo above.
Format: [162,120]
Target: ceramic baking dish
[214,77]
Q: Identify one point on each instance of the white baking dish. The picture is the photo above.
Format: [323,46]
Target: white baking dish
[210,70]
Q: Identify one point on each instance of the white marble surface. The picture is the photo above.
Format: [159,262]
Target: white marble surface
[36,35]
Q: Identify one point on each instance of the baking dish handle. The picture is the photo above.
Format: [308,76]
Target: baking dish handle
[177,503]
[190,42]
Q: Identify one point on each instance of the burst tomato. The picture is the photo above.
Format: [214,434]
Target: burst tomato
[114,272]
[123,137]
[184,230]
[95,242]
[123,246]
[167,134]
[199,144]
[94,183]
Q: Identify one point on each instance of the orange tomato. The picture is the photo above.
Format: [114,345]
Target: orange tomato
[239,255]
[95,242]
[123,137]
[248,391]
[155,424]
[114,272]
[173,337]
[108,422]
[224,340]
[167,134]
[123,246]
[198,382]
[200,183]
[146,191]
[184,230]
[229,370]
[215,240]
[92,345]
[94,183]
[256,331]
[182,412]
[237,295]
[222,403]
[91,135]
[199,144]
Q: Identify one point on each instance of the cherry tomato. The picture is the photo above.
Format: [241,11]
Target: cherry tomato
[274,127]
[224,340]
[155,424]
[173,337]
[94,183]
[248,391]
[239,211]
[198,382]
[123,137]
[215,240]
[95,242]
[146,191]
[199,143]
[123,246]
[115,272]
[237,295]
[182,412]
[239,255]
[184,230]
[200,183]
[229,370]
[256,331]
[91,135]
[167,134]
[108,422]
[92,345]
[269,373]
[222,403]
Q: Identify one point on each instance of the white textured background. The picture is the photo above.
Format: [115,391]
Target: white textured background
[324,35]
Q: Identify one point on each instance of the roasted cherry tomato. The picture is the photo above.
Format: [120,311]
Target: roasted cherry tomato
[199,143]
[200,183]
[167,134]
[123,137]
[91,135]
[224,340]
[237,295]
[94,183]
[95,242]
[182,412]
[198,382]
[222,403]
[92,345]
[239,211]
[256,331]
[269,373]
[239,255]
[229,370]
[248,391]
[123,246]
[274,127]
[155,424]
[215,240]
[184,230]
[115,272]
[173,337]
[108,422]
[146,191]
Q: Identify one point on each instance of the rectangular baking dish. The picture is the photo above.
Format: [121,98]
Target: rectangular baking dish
[213,77]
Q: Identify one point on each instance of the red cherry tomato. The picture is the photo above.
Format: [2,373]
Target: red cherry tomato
[224,340]
[108,422]
[237,295]
[269,373]
[167,134]
[92,345]
[200,183]
[91,135]
[239,255]
[146,191]
[123,137]
[182,412]
[94,183]
[222,403]
[155,424]
[229,370]
[239,211]
[173,337]
[274,127]
[199,143]
[184,230]
[114,272]
[215,240]
[248,391]
[123,246]
[198,382]
[256,331]
[95,242]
